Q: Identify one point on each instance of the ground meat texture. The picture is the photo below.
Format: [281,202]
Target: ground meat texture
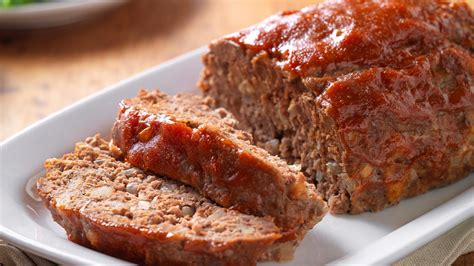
[183,138]
[159,221]
[374,99]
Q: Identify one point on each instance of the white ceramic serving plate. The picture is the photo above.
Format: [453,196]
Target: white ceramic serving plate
[53,13]
[370,238]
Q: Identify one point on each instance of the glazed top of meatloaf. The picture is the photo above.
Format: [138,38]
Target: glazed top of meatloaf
[346,35]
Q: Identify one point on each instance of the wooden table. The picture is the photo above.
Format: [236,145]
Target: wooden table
[43,71]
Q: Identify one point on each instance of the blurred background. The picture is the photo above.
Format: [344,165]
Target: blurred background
[44,70]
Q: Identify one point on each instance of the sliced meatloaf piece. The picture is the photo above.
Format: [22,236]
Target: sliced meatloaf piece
[181,137]
[374,98]
[110,206]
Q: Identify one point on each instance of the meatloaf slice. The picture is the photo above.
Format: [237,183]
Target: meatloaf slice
[110,206]
[374,98]
[181,137]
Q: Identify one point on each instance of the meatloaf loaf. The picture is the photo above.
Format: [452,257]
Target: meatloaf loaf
[108,205]
[182,138]
[374,98]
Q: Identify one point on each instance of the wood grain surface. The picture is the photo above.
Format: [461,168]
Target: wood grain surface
[42,71]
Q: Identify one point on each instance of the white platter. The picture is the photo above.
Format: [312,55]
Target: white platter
[371,238]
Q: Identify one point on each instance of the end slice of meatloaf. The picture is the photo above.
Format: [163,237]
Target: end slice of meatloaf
[374,98]
[181,137]
[110,206]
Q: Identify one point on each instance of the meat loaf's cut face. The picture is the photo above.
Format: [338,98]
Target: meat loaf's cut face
[181,137]
[110,206]
[374,98]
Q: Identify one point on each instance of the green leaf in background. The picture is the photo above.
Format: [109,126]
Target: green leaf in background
[11,3]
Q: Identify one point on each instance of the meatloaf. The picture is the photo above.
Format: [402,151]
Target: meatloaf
[374,98]
[109,205]
[183,138]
